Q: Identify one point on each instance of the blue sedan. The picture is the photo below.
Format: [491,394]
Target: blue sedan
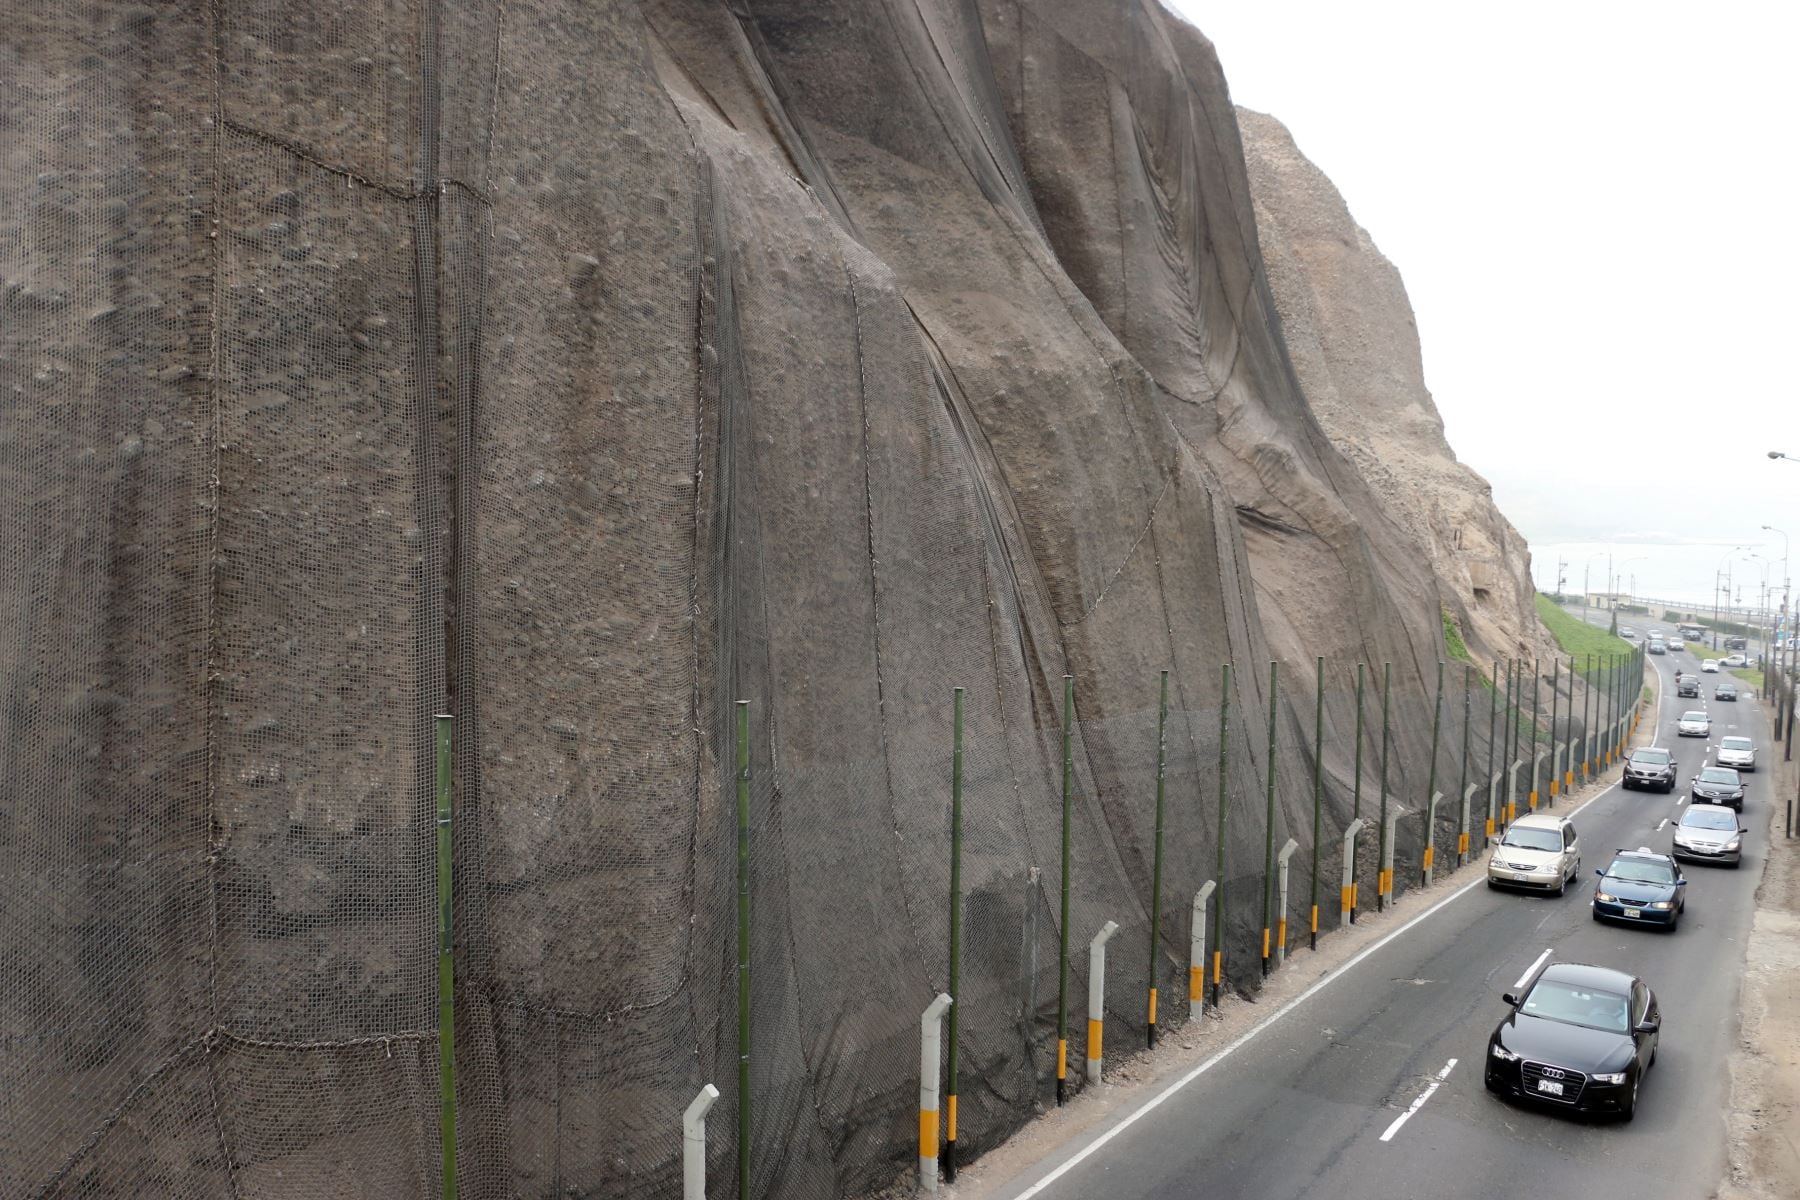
[1641,887]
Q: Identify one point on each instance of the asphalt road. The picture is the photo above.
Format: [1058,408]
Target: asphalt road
[1301,1109]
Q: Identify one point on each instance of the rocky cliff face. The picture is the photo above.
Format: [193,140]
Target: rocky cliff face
[1350,332]
[582,368]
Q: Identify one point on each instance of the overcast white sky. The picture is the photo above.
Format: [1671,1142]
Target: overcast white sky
[1593,205]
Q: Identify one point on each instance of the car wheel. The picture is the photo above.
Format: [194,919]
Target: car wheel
[1630,1109]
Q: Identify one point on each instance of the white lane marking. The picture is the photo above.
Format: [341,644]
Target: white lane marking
[1406,1116]
[1245,1038]
[1661,823]
[1531,970]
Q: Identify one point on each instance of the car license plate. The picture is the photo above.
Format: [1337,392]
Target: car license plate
[1520,876]
[1550,1087]
[1632,912]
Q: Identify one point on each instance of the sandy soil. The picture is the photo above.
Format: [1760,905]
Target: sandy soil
[1765,1070]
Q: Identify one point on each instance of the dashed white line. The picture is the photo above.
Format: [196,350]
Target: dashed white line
[1437,1083]
[1661,823]
[1529,972]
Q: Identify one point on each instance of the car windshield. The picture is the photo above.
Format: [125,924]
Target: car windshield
[1637,870]
[1651,758]
[1578,1006]
[1709,816]
[1719,775]
[1694,716]
[1533,839]
[1735,743]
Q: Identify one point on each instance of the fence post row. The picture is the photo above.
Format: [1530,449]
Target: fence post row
[1493,734]
[956,790]
[1462,823]
[1550,736]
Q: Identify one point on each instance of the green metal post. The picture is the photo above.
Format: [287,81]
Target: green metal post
[1462,821]
[1512,734]
[1268,880]
[1590,724]
[1437,716]
[956,790]
[446,966]
[1384,881]
[1218,954]
[1487,828]
[743,948]
[1356,800]
[1537,710]
[1162,768]
[1062,934]
[1318,796]
[1555,702]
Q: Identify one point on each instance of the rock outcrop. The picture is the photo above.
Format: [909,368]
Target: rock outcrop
[1351,334]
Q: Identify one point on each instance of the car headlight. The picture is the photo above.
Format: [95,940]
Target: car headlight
[1608,897]
[1502,1053]
[1665,905]
[1608,1077]
[1734,843]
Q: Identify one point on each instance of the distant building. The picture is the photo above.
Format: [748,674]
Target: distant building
[1607,599]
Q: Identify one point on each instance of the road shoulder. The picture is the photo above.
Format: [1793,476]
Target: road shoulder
[1765,1068]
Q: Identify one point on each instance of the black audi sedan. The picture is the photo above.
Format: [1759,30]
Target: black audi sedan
[1578,1038]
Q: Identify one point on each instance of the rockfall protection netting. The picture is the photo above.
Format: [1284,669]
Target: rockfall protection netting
[581,368]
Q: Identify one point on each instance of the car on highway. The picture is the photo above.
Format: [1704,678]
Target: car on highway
[1539,852]
[1734,660]
[1694,723]
[1580,1038]
[1675,643]
[1628,633]
[1738,753]
[1640,887]
[1725,691]
[1650,767]
[1718,785]
[1658,646]
[1687,685]
[1710,665]
[1708,834]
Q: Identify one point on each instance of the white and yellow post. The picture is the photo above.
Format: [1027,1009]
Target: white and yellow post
[1281,908]
[1347,893]
[1430,855]
[693,1144]
[1462,837]
[1385,885]
[930,1040]
[1537,770]
[1197,952]
[1097,997]
[1512,790]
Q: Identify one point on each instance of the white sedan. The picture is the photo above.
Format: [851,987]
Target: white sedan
[1710,665]
[1694,724]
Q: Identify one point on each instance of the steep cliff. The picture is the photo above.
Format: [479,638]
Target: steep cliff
[581,369]
[1354,342]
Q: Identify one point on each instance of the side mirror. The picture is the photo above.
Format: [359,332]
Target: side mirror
[1647,1026]
[1510,998]
[1600,872]
[1681,883]
[1741,829]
